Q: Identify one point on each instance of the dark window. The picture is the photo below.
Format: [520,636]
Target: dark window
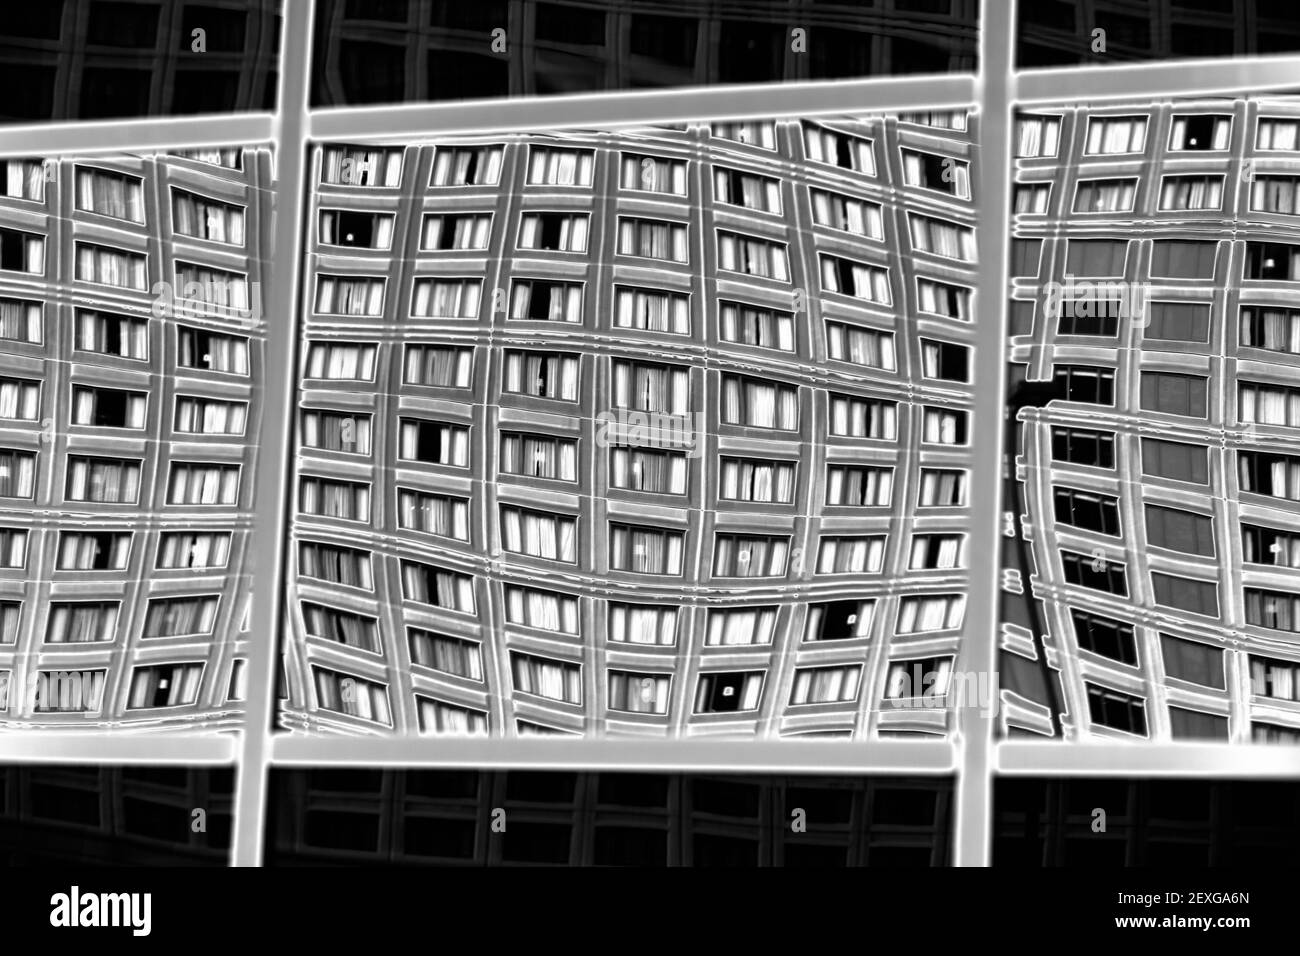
[122,24]
[953,363]
[1085,383]
[839,620]
[839,53]
[1179,322]
[1096,257]
[1099,317]
[1080,446]
[1199,131]
[1104,636]
[1022,317]
[1174,394]
[932,169]
[1271,260]
[481,16]
[670,40]
[916,56]
[1180,530]
[1124,29]
[456,74]
[1176,460]
[374,72]
[568,24]
[1175,259]
[1025,254]
[224,29]
[751,51]
[38,21]
[1194,725]
[721,693]
[1098,573]
[1192,661]
[1110,708]
[391,11]
[1261,545]
[1277,476]
[358,229]
[108,92]
[1083,509]
[1198,597]
[13,249]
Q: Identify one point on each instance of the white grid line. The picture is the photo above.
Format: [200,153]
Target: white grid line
[278,405]
[973,797]
[605,754]
[974,756]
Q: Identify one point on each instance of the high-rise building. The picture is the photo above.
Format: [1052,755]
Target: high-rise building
[1153,492]
[394,51]
[519,818]
[646,432]
[130,403]
[108,59]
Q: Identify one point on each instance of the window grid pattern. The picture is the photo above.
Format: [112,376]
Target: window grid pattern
[135,458]
[591,527]
[1192,439]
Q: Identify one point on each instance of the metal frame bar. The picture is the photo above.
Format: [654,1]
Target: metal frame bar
[974,756]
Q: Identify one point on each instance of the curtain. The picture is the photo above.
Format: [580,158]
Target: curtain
[851,555]
[440,366]
[754,134]
[645,550]
[824,685]
[542,609]
[863,418]
[733,626]
[467,166]
[933,613]
[1278,134]
[741,556]
[652,174]
[551,166]
[866,347]
[536,456]
[20,321]
[19,400]
[653,311]
[546,678]
[1037,135]
[659,472]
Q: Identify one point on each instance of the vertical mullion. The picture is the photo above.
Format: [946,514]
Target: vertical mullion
[972,817]
[278,400]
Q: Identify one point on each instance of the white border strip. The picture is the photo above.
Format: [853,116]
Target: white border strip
[117,747]
[973,797]
[137,135]
[602,110]
[279,401]
[676,755]
[1181,78]
[1206,761]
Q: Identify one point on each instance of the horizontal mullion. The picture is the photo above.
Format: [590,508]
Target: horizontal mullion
[1138,759]
[1181,78]
[114,747]
[857,97]
[134,135]
[739,756]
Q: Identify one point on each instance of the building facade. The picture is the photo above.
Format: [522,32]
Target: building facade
[651,432]
[1153,503]
[130,404]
